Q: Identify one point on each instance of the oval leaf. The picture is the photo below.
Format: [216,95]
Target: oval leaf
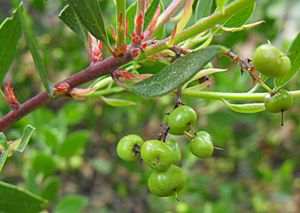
[10,32]
[72,203]
[91,17]
[245,108]
[71,19]
[176,74]
[294,55]
[14,199]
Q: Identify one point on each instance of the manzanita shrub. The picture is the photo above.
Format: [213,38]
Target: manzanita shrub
[183,61]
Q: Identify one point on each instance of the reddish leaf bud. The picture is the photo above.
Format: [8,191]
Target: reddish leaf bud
[10,97]
[62,87]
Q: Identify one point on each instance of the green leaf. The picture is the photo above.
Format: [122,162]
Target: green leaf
[221,4]
[74,144]
[5,150]
[3,141]
[44,163]
[72,203]
[10,32]
[117,102]
[3,158]
[294,55]
[203,73]
[150,12]
[34,49]
[26,135]
[176,74]
[71,19]
[203,9]
[130,14]
[241,17]
[51,188]
[246,108]
[91,17]
[14,199]
[161,32]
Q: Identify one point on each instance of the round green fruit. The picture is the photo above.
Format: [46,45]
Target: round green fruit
[279,102]
[128,147]
[176,149]
[270,61]
[168,182]
[157,154]
[202,145]
[180,119]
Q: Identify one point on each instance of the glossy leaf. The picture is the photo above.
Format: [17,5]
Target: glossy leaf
[176,74]
[294,55]
[26,135]
[203,9]
[74,144]
[14,199]
[246,108]
[117,102]
[91,17]
[34,49]
[72,203]
[150,12]
[71,19]
[10,31]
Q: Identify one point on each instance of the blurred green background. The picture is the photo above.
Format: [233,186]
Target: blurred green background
[71,159]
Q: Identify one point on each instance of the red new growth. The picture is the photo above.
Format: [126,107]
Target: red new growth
[10,97]
[62,87]
[95,54]
[120,22]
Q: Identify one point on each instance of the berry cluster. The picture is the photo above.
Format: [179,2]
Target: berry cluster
[271,62]
[164,155]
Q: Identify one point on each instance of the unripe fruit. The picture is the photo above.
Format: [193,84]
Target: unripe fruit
[279,102]
[270,61]
[128,147]
[202,145]
[176,149]
[180,119]
[168,182]
[157,154]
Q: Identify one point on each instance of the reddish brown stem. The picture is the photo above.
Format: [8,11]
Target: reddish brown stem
[90,73]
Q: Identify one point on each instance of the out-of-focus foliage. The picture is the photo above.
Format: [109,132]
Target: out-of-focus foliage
[71,159]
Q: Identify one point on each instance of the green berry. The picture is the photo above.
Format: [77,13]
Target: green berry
[181,119]
[157,154]
[128,147]
[168,182]
[270,61]
[176,149]
[202,145]
[279,102]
